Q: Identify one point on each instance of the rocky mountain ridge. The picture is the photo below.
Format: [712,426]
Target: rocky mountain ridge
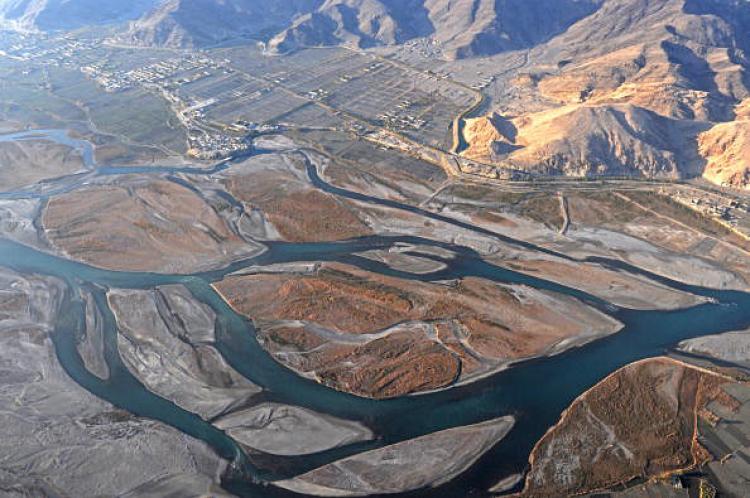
[201,23]
[640,88]
[464,28]
[645,88]
[53,15]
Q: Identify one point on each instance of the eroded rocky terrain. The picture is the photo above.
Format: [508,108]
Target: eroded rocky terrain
[637,88]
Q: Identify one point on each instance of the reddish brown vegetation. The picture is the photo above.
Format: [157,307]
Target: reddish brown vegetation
[299,212]
[141,225]
[640,422]
[379,336]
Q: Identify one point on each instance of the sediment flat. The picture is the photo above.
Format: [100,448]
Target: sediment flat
[289,430]
[732,347]
[277,186]
[168,346]
[57,438]
[427,461]
[26,162]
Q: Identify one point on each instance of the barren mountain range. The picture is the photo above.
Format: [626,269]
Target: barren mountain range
[198,23]
[50,15]
[464,27]
[651,88]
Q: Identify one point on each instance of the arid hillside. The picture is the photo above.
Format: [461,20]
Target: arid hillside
[636,88]
[639,88]
[462,28]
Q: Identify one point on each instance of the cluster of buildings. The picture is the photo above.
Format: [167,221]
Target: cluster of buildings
[482,83]
[168,77]
[164,75]
[395,120]
[245,126]
[319,94]
[61,52]
[493,172]
[731,211]
[428,48]
[216,145]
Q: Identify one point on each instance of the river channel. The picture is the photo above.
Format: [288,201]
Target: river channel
[535,392]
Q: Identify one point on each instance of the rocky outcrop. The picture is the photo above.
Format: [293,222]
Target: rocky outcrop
[611,140]
[485,140]
[635,88]
[608,140]
[726,149]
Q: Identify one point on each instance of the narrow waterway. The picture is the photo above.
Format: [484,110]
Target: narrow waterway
[536,391]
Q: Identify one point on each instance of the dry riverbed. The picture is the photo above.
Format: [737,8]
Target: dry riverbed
[426,461]
[58,439]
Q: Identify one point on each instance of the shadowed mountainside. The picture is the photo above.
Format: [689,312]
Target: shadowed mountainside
[50,15]
[637,88]
[196,23]
[464,27]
